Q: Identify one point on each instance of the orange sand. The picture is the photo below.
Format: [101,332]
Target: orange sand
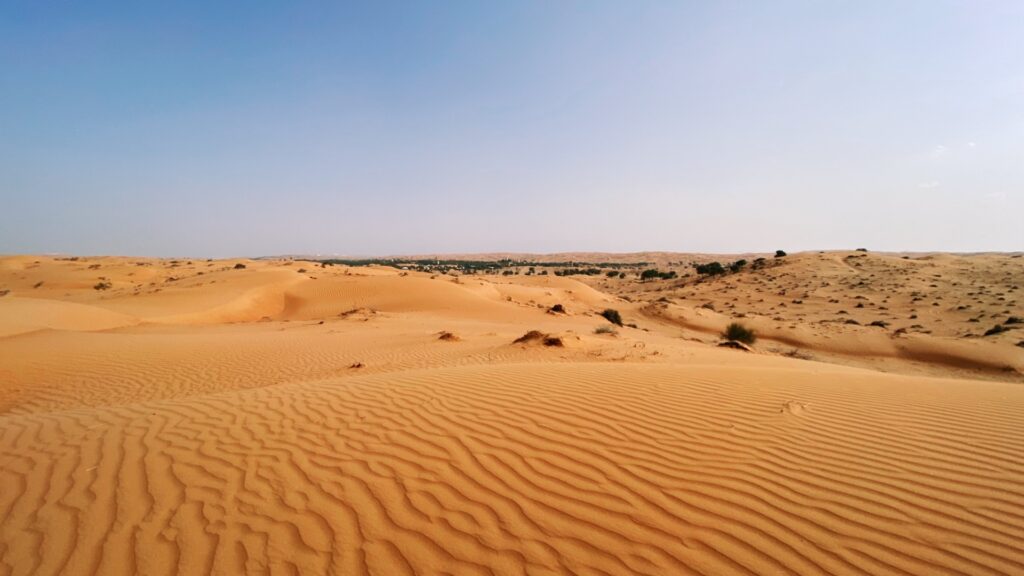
[193,418]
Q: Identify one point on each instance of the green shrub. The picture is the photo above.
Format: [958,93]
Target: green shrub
[780,253]
[612,316]
[739,333]
[710,269]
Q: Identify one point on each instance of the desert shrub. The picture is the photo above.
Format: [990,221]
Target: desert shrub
[622,274]
[737,265]
[605,329]
[558,309]
[710,269]
[655,273]
[862,249]
[739,333]
[103,285]
[1014,320]
[780,253]
[612,316]
[239,266]
[611,274]
[531,336]
[997,329]
[879,323]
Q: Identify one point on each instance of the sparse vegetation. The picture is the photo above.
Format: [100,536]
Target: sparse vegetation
[557,309]
[102,285]
[605,329]
[652,273]
[739,333]
[612,316]
[538,336]
[710,269]
[997,329]
[780,253]
[239,266]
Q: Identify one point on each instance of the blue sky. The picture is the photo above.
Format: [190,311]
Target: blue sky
[228,129]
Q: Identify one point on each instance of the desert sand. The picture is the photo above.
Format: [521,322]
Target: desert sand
[275,416]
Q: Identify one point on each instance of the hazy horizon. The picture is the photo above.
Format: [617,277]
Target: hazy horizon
[205,130]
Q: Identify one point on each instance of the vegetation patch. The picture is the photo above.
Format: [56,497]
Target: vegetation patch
[737,332]
[612,316]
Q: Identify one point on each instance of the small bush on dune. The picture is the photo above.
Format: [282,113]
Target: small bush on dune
[997,329]
[239,266]
[612,316]
[739,333]
[780,253]
[605,330]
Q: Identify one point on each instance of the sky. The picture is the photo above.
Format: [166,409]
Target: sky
[221,129]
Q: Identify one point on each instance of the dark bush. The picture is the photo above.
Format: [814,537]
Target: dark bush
[558,309]
[612,274]
[612,316]
[710,269]
[780,253]
[997,329]
[739,333]
[239,266]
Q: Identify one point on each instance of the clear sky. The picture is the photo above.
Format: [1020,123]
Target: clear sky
[255,128]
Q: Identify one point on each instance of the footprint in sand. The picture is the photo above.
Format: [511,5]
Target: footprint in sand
[793,407]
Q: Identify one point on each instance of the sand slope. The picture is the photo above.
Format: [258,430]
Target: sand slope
[524,468]
[266,420]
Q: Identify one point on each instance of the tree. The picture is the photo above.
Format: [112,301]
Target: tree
[648,274]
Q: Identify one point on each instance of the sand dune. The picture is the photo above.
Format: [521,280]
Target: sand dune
[267,420]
